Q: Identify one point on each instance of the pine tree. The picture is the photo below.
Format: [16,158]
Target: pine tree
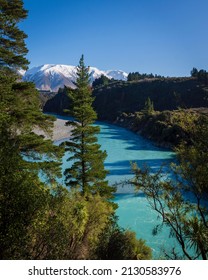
[21,191]
[12,45]
[87,171]
[149,107]
[19,101]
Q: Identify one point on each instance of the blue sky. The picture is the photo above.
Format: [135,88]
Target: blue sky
[167,37]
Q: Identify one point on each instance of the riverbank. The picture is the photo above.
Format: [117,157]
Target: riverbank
[60,131]
[146,126]
[117,162]
[166,129]
[123,147]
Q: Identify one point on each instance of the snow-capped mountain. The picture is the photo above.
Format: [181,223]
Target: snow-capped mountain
[117,75]
[54,76]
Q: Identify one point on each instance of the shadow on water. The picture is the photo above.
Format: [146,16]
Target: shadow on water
[132,140]
[122,147]
[121,196]
[125,147]
[124,167]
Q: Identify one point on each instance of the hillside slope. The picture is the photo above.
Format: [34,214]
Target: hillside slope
[166,94]
[129,97]
[166,128]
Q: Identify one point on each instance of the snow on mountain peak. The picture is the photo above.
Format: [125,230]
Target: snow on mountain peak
[117,74]
[54,76]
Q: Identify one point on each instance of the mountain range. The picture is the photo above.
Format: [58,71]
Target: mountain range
[51,77]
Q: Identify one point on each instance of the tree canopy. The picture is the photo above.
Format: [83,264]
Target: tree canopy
[39,219]
[21,191]
[12,40]
[136,76]
[101,81]
[87,170]
[201,75]
[182,202]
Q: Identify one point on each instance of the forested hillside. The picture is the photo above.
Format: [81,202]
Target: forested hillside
[117,97]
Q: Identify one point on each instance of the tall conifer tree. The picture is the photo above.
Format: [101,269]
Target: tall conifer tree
[12,45]
[21,191]
[87,171]
[19,101]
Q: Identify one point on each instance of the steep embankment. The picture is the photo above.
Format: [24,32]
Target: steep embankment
[118,102]
[167,128]
[58,103]
[166,94]
[129,97]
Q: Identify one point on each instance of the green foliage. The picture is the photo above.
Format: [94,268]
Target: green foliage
[101,81]
[201,75]
[136,76]
[20,114]
[22,195]
[12,45]
[118,244]
[182,204]
[166,94]
[70,227]
[148,107]
[167,128]
[194,72]
[77,227]
[87,170]
[38,222]
[193,160]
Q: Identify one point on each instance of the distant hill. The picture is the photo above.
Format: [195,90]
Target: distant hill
[54,76]
[166,94]
[118,97]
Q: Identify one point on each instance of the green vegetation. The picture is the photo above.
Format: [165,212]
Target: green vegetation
[136,76]
[102,81]
[119,244]
[149,107]
[42,220]
[87,171]
[182,204]
[21,192]
[201,75]
[70,226]
[166,128]
[12,44]
[117,97]
[130,97]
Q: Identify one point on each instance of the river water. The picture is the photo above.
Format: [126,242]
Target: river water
[134,212]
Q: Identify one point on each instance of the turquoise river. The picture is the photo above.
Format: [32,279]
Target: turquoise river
[134,212]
